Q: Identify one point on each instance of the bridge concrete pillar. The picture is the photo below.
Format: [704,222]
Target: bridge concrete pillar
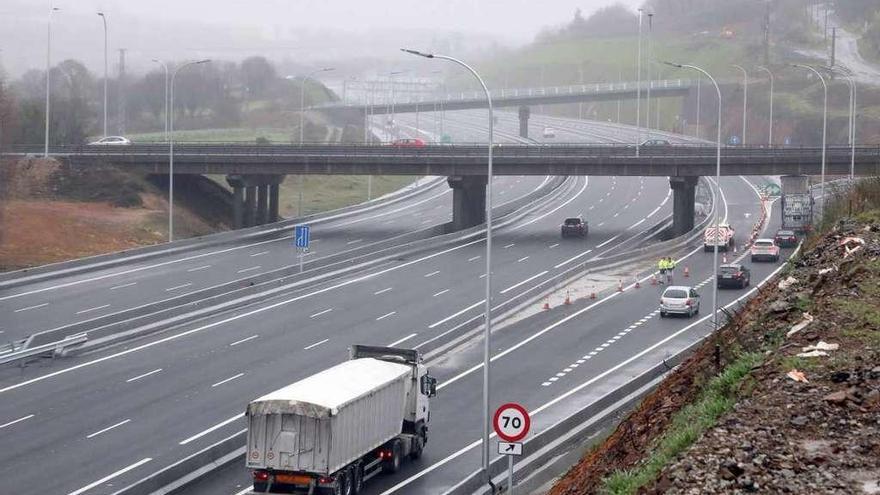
[273,203]
[524,113]
[262,204]
[237,207]
[468,200]
[683,197]
[250,206]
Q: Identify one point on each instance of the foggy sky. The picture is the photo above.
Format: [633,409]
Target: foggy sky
[157,28]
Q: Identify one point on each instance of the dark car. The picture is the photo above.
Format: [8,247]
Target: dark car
[734,275]
[786,238]
[574,226]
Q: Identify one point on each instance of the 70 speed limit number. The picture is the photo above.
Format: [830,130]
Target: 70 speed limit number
[511,422]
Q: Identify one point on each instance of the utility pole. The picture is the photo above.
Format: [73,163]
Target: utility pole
[833,45]
[120,96]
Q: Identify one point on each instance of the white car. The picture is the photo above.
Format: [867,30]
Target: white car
[679,299]
[549,132]
[765,249]
[111,141]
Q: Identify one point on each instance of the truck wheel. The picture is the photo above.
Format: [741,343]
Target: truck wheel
[346,481]
[393,465]
[419,441]
[357,479]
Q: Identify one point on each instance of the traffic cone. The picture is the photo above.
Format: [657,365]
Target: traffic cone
[592,295]
[567,299]
[620,286]
[653,279]
[724,258]
[546,306]
[687,272]
[734,249]
[638,285]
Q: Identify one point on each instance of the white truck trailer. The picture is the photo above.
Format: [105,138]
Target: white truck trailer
[333,431]
[797,203]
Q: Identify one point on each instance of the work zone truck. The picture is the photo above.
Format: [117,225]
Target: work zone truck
[720,235]
[333,431]
[797,203]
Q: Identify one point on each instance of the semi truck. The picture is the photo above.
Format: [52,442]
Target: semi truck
[333,431]
[797,203]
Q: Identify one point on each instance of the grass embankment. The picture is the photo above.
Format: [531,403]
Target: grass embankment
[717,398]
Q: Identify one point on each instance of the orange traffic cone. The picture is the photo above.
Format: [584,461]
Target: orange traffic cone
[592,295]
[638,285]
[546,306]
[567,299]
[734,249]
[620,286]
[653,279]
[724,258]
[687,272]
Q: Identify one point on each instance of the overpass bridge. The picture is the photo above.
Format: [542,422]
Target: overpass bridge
[255,172]
[523,98]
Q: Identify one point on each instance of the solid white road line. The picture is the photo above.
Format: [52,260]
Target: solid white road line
[252,337]
[381,291]
[316,344]
[93,309]
[386,315]
[221,382]
[30,308]
[178,287]
[259,254]
[349,243]
[319,313]
[588,251]
[135,378]
[249,269]
[465,310]
[123,286]
[444,291]
[600,246]
[19,420]
[211,429]
[533,277]
[237,317]
[554,210]
[397,342]
[199,268]
[111,476]
[105,430]
[432,273]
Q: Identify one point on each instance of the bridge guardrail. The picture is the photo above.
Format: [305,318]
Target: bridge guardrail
[56,348]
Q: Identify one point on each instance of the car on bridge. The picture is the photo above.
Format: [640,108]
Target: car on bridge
[111,141]
[408,143]
[679,299]
[765,250]
[656,142]
[549,132]
[574,227]
[786,238]
[734,275]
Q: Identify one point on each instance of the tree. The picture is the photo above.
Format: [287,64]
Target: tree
[259,76]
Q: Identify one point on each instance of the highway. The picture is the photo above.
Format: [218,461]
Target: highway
[123,412]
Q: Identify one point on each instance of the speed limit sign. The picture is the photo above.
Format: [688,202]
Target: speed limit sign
[511,422]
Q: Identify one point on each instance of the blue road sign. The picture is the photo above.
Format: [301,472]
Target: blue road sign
[301,236]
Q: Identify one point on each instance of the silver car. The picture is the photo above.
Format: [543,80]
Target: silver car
[679,299]
[111,141]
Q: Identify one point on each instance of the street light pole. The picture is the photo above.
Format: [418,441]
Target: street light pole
[639,87]
[648,77]
[487,330]
[104,18]
[48,71]
[165,68]
[824,126]
[717,206]
[852,120]
[745,100]
[699,81]
[393,121]
[770,139]
[302,100]
[171,149]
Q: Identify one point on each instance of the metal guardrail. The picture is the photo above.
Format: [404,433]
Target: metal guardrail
[56,348]
[449,151]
